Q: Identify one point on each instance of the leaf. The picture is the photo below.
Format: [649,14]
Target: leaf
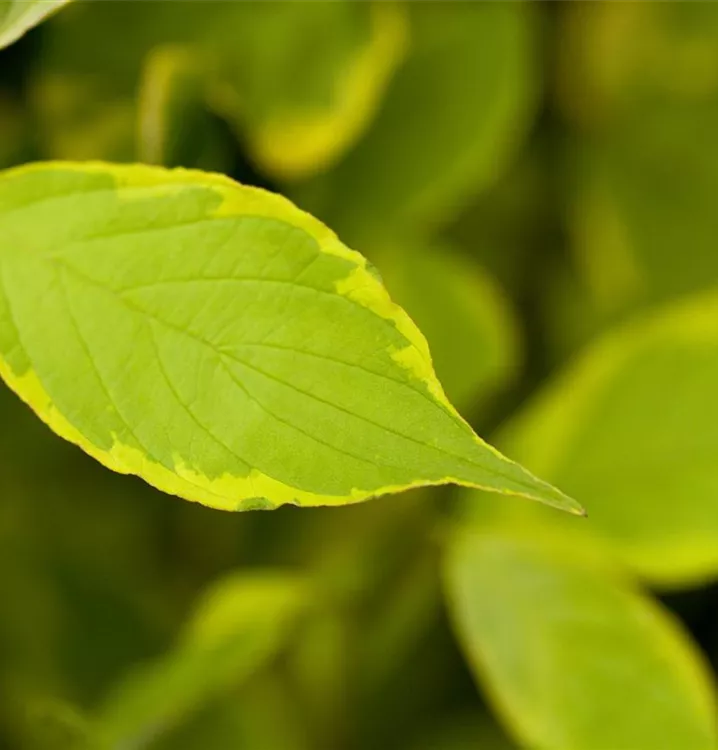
[242,622]
[453,115]
[301,81]
[221,344]
[472,334]
[298,82]
[631,428]
[19,16]
[571,657]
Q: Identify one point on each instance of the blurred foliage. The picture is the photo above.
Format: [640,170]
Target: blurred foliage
[535,184]
[557,635]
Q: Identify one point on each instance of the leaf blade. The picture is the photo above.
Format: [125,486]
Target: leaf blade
[221,344]
[571,654]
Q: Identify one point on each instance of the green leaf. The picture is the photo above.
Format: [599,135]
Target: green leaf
[571,657]
[630,428]
[301,81]
[19,16]
[452,117]
[472,334]
[298,82]
[242,622]
[221,344]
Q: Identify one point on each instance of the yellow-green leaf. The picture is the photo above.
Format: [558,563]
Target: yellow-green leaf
[301,81]
[298,82]
[222,344]
[453,114]
[572,657]
[631,428]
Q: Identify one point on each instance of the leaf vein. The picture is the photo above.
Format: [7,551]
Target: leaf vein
[296,427]
[185,406]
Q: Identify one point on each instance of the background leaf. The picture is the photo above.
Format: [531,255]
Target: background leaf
[602,666]
[301,83]
[467,87]
[297,83]
[606,430]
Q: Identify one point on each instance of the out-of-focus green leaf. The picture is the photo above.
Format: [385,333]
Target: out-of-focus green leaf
[249,349]
[302,80]
[454,114]
[570,656]
[632,429]
[238,626]
[19,16]
[472,334]
[639,84]
[298,81]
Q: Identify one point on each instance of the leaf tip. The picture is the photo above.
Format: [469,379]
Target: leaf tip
[568,504]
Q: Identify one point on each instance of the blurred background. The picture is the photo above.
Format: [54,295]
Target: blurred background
[536,183]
